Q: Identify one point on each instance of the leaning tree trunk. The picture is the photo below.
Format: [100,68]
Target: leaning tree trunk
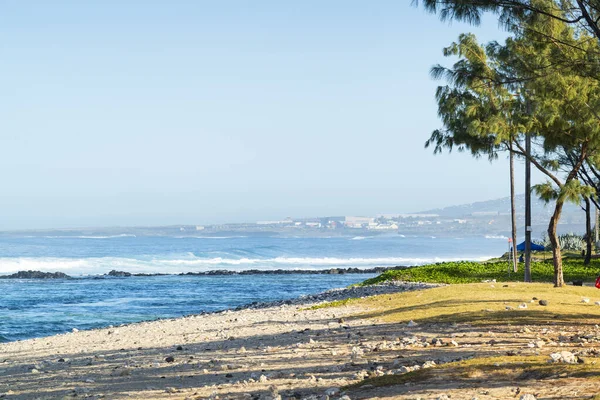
[513,212]
[588,231]
[556,256]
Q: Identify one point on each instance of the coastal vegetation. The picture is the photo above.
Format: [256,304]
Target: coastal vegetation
[500,270]
[539,85]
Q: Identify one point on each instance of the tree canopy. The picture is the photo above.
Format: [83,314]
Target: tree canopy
[583,14]
[498,93]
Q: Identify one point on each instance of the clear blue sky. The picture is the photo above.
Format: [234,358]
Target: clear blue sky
[154,112]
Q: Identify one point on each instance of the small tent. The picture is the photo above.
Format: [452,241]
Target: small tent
[534,247]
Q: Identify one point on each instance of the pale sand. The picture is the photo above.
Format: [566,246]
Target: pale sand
[250,353]
[129,361]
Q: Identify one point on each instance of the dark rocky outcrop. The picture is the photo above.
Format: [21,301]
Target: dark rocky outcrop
[376,270]
[36,275]
[119,274]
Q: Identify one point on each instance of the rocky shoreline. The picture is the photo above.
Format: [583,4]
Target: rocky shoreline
[36,275]
[228,353]
[124,274]
[344,294]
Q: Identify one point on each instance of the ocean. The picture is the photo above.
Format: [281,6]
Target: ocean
[35,308]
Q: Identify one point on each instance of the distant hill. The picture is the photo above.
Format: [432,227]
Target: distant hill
[572,219]
[502,206]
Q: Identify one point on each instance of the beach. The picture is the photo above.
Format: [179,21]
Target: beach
[284,347]
[305,349]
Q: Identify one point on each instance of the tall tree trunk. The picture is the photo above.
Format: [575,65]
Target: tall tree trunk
[513,212]
[588,232]
[556,256]
[596,228]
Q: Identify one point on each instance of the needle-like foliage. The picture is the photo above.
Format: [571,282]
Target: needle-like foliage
[498,93]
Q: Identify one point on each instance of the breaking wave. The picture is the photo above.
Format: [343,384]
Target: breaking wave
[102,265]
[123,235]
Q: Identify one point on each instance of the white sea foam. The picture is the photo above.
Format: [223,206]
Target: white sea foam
[123,235]
[209,237]
[102,265]
[358,238]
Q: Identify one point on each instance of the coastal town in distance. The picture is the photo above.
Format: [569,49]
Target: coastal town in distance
[490,218]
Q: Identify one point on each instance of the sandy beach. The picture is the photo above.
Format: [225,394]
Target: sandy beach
[296,351]
[285,350]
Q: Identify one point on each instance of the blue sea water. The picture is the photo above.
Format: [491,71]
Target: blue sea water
[33,308]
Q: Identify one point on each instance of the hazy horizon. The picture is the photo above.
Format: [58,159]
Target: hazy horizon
[147,114]
[226,222]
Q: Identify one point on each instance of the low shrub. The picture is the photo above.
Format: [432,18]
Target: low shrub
[472,271]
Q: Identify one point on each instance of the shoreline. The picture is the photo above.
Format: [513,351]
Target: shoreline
[454,341]
[310,300]
[214,348]
[33,274]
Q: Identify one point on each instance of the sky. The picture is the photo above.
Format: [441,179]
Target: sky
[196,112]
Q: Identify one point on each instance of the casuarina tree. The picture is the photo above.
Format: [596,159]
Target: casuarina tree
[496,94]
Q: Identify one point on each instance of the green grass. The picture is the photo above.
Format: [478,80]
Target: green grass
[471,272]
[485,304]
[336,303]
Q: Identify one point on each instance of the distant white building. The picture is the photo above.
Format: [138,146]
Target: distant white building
[358,222]
[384,227]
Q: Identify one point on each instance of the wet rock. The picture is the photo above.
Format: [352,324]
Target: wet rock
[170,359]
[36,275]
[119,274]
[543,302]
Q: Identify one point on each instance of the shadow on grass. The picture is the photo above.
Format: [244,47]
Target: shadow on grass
[478,373]
[450,311]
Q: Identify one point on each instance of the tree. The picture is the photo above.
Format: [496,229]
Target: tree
[588,231]
[497,94]
[578,13]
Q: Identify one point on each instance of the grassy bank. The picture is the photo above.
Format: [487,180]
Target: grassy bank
[485,304]
[472,272]
[494,326]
